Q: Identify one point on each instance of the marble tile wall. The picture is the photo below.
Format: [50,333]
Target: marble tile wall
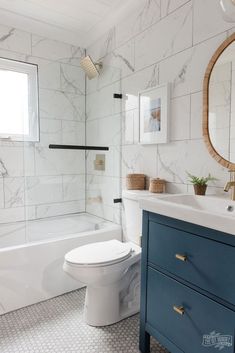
[37,182]
[162,40]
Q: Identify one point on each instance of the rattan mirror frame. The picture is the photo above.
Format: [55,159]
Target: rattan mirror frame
[205,129]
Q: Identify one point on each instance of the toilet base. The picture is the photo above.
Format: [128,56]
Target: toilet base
[106,305]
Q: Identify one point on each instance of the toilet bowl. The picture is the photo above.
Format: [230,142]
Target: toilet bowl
[111,270]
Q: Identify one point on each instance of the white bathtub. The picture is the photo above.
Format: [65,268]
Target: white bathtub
[31,271]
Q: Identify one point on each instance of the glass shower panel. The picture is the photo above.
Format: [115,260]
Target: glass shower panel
[104,128]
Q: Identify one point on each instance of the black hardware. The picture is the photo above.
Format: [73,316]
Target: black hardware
[117,200]
[74,147]
[117,95]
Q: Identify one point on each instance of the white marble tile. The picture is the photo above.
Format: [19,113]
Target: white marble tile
[103,46]
[145,14]
[73,187]
[196,115]
[10,215]
[176,188]
[105,131]
[57,209]
[1,193]
[104,211]
[72,79]
[186,70]
[62,110]
[135,83]
[128,127]
[48,73]
[41,190]
[172,164]
[180,118]
[191,156]
[61,105]
[102,190]
[169,36]
[54,50]
[50,132]
[73,133]
[116,65]
[139,159]
[168,6]
[57,162]
[123,58]
[14,192]
[101,103]
[30,213]
[11,161]
[208,20]
[109,76]
[8,54]
[15,40]
[29,159]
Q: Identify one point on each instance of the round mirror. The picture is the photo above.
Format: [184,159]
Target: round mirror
[219,104]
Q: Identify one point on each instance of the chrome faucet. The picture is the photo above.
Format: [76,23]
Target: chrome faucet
[231,184]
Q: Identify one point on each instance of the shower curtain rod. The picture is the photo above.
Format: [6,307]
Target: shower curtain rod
[75,147]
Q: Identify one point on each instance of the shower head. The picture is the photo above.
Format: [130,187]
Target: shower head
[91,69]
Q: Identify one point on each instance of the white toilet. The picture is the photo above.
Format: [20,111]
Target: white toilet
[111,270]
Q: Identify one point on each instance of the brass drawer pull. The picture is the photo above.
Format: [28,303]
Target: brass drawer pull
[181,257]
[179,309]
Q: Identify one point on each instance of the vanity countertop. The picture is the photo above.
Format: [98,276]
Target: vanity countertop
[207,211]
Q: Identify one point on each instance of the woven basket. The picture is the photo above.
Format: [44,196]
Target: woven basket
[157,185]
[135,181]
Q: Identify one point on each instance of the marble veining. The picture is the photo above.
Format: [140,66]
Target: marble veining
[126,62]
[180,57]
[181,76]
[154,79]
[148,15]
[6,36]
[3,169]
[69,83]
[33,178]
[171,50]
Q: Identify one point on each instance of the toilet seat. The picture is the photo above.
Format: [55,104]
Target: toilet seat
[99,254]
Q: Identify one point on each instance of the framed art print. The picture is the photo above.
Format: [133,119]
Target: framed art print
[154,114]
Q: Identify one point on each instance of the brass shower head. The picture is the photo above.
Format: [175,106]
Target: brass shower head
[91,69]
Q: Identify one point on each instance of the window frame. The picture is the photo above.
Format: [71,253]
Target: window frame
[33,99]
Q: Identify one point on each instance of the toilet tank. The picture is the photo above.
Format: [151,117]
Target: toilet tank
[132,222]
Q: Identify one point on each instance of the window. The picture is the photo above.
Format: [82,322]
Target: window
[18,101]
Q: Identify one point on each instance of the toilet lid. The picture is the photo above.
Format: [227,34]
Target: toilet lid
[107,252]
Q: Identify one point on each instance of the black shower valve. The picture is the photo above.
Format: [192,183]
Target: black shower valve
[117,95]
[117,200]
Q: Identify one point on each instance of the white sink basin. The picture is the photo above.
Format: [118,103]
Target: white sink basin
[208,211]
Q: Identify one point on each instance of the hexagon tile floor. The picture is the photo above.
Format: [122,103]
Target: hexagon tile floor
[56,326]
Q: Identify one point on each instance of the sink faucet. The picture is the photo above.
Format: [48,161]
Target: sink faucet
[231,184]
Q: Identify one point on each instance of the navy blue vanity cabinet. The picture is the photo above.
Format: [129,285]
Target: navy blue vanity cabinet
[187,287]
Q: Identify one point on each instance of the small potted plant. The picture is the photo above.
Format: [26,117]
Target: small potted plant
[200,183]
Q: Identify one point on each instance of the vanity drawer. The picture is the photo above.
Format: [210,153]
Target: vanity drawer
[202,316]
[209,265]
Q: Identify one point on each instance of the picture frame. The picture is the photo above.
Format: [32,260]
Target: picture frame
[154,107]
